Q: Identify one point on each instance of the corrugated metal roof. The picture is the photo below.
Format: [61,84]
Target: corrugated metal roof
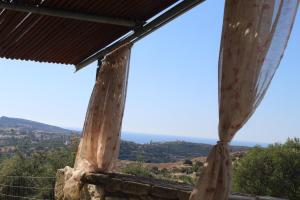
[59,40]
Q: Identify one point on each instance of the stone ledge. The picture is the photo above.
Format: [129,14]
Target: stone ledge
[103,178]
[113,186]
[164,189]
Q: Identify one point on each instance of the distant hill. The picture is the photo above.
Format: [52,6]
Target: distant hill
[29,126]
[163,152]
[30,136]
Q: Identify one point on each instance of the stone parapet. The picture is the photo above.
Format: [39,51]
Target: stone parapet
[113,186]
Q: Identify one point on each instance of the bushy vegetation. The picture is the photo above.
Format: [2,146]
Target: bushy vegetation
[137,169]
[273,171]
[163,152]
[184,174]
[33,175]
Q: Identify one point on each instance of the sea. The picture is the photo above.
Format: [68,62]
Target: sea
[143,138]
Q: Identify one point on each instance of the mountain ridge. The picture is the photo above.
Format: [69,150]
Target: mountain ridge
[29,125]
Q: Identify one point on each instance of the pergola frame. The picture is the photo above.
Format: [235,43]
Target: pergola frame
[69,14]
[139,29]
[143,31]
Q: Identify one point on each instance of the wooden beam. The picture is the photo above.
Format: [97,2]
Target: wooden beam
[143,31]
[69,14]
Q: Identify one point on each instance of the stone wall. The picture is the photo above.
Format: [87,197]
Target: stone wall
[113,186]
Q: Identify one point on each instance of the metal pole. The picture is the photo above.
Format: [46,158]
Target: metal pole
[69,14]
[143,31]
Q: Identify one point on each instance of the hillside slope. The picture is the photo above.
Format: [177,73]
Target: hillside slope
[163,152]
[29,126]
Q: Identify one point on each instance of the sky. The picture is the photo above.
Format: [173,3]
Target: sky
[172,87]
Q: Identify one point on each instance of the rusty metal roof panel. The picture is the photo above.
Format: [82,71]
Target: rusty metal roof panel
[28,36]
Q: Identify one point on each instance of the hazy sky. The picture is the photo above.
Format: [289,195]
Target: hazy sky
[172,85]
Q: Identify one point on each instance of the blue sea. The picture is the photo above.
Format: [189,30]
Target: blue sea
[143,138]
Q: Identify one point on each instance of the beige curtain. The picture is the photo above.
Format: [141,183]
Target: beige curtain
[255,34]
[100,141]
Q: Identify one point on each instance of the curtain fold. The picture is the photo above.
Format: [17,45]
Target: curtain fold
[255,35]
[99,145]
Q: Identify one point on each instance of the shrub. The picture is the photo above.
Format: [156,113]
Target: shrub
[188,162]
[197,167]
[186,170]
[187,179]
[273,171]
[137,169]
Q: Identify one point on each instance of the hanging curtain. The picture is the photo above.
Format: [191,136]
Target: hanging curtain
[255,35]
[99,145]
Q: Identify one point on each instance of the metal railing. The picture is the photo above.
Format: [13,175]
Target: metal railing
[26,188]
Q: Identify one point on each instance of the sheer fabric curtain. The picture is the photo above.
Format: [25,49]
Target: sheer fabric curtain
[99,146]
[255,35]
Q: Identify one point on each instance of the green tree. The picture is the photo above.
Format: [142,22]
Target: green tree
[12,172]
[273,171]
[32,176]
